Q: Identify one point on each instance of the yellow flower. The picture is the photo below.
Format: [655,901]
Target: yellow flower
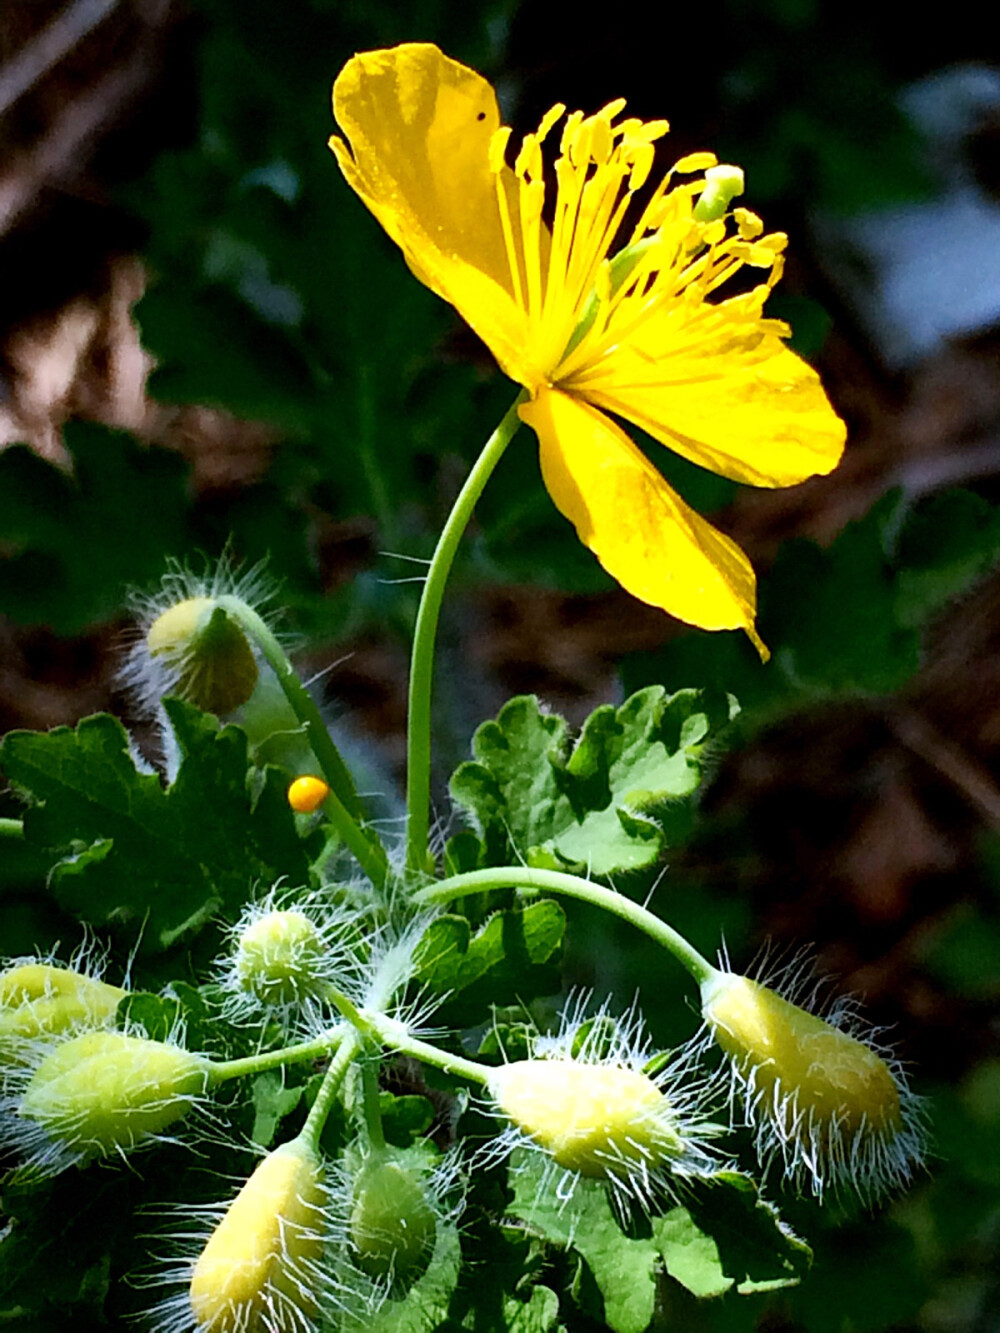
[639,335]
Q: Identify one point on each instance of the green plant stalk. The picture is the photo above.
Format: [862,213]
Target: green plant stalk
[370,1105]
[341,807]
[220,1071]
[394,1035]
[571,886]
[418,728]
[334,1077]
[379,1029]
[11,828]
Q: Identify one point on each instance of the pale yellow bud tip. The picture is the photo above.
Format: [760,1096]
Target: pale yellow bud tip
[829,1072]
[836,1110]
[38,998]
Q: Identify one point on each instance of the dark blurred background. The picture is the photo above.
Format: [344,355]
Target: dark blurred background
[205,338]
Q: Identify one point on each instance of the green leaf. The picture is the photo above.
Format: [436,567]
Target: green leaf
[510,955]
[845,621]
[947,543]
[405,1118]
[605,805]
[425,1305]
[729,1236]
[538,1314]
[124,505]
[725,1237]
[161,860]
[156,1016]
[272,1101]
[624,1269]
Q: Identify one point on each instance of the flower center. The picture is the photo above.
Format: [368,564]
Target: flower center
[580,305]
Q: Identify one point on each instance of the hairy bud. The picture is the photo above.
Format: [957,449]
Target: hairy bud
[104,1092]
[259,1268]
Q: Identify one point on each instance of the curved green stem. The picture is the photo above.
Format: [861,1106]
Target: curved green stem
[325,1044]
[555,881]
[418,738]
[334,1077]
[342,807]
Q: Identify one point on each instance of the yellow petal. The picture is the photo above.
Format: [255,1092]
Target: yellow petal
[739,403]
[644,535]
[418,127]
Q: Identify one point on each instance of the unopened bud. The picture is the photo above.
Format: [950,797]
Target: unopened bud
[206,653]
[830,1104]
[103,1092]
[40,998]
[598,1120]
[259,1268]
[279,958]
[393,1220]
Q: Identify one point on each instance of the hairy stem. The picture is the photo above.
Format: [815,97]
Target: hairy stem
[334,1077]
[341,807]
[325,1044]
[571,886]
[418,738]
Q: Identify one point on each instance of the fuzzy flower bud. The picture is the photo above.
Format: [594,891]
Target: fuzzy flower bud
[836,1109]
[393,1225]
[593,1119]
[589,1099]
[207,655]
[38,998]
[104,1092]
[280,958]
[258,1270]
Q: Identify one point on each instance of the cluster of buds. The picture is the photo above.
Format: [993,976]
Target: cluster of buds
[39,997]
[76,1089]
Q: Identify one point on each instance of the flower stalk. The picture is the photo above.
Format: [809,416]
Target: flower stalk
[418,726]
[341,806]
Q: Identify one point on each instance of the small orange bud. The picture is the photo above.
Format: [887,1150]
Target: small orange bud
[307,794]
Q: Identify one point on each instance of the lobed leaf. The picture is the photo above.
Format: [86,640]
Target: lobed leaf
[605,805]
[161,859]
